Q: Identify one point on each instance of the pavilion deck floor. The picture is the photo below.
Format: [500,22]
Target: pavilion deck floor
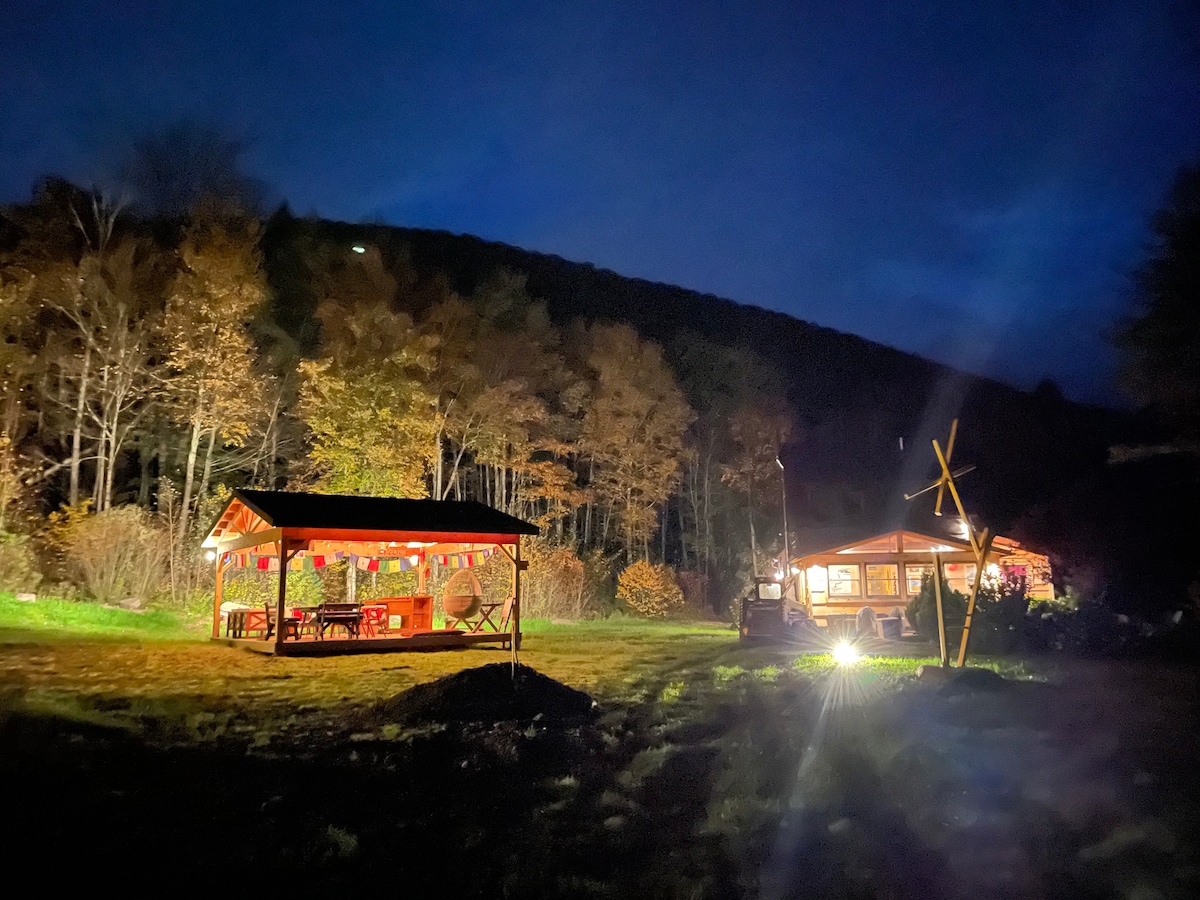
[426,640]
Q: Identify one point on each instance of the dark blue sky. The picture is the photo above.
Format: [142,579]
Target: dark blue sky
[970,181]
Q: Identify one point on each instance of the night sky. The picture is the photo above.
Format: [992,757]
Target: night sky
[970,181]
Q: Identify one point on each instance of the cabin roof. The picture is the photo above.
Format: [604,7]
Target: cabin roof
[886,542]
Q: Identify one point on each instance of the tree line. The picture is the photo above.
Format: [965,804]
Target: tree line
[150,361]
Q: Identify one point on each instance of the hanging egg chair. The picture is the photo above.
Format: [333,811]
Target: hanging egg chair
[462,596]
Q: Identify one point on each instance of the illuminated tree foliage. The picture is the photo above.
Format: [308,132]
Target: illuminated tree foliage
[371,418]
[632,433]
[211,387]
[649,590]
[137,366]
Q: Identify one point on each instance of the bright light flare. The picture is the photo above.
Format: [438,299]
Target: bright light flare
[210,555]
[844,654]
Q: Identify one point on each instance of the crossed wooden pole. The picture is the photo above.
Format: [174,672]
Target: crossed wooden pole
[981,542]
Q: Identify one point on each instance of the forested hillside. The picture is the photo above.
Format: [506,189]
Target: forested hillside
[151,363]
[852,399]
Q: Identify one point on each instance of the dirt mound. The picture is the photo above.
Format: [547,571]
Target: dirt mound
[971,679]
[491,693]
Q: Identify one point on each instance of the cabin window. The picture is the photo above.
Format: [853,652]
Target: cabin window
[845,581]
[960,577]
[883,581]
[914,575]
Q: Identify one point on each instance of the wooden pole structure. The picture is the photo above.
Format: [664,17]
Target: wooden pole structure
[281,605]
[985,544]
[219,592]
[980,543]
[941,616]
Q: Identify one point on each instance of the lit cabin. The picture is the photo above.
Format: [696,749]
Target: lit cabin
[884,571]
[277,531]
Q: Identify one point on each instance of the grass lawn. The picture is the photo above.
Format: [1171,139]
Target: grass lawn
[51,620]
[713,769]
[79,655]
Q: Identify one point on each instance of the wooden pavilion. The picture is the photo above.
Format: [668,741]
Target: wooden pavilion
[884,571]
[300,531]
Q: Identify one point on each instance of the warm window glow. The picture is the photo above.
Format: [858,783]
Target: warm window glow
[883,581]
[845,581]
[818,579]
[960,577]
[913,575]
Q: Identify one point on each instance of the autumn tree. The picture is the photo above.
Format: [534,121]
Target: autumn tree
[212,389]
[714,505]
[17,362]
[501,386]
[758,433]
[96,316]
[371,419]
[117,311]
[632,432]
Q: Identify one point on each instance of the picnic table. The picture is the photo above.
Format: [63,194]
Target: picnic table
[314,620]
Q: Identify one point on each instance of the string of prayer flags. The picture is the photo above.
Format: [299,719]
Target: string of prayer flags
[384,566]
[463,560]
[270,563]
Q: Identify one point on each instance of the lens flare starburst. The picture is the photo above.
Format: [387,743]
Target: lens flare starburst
[844,654]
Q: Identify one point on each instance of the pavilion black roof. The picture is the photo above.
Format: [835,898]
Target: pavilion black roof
[287,509]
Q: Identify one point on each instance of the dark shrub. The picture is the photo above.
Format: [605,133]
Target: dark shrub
[922,610]
[996,627]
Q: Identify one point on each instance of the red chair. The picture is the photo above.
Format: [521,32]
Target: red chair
[374,620]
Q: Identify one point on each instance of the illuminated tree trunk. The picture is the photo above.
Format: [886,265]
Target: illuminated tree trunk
[753,537]
[77,431]
[189,479]
[707,517]
[101,454]
[208,457]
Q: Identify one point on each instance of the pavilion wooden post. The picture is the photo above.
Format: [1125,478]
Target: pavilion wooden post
[281,605]
[518,567]
[514,617]
[223,562]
